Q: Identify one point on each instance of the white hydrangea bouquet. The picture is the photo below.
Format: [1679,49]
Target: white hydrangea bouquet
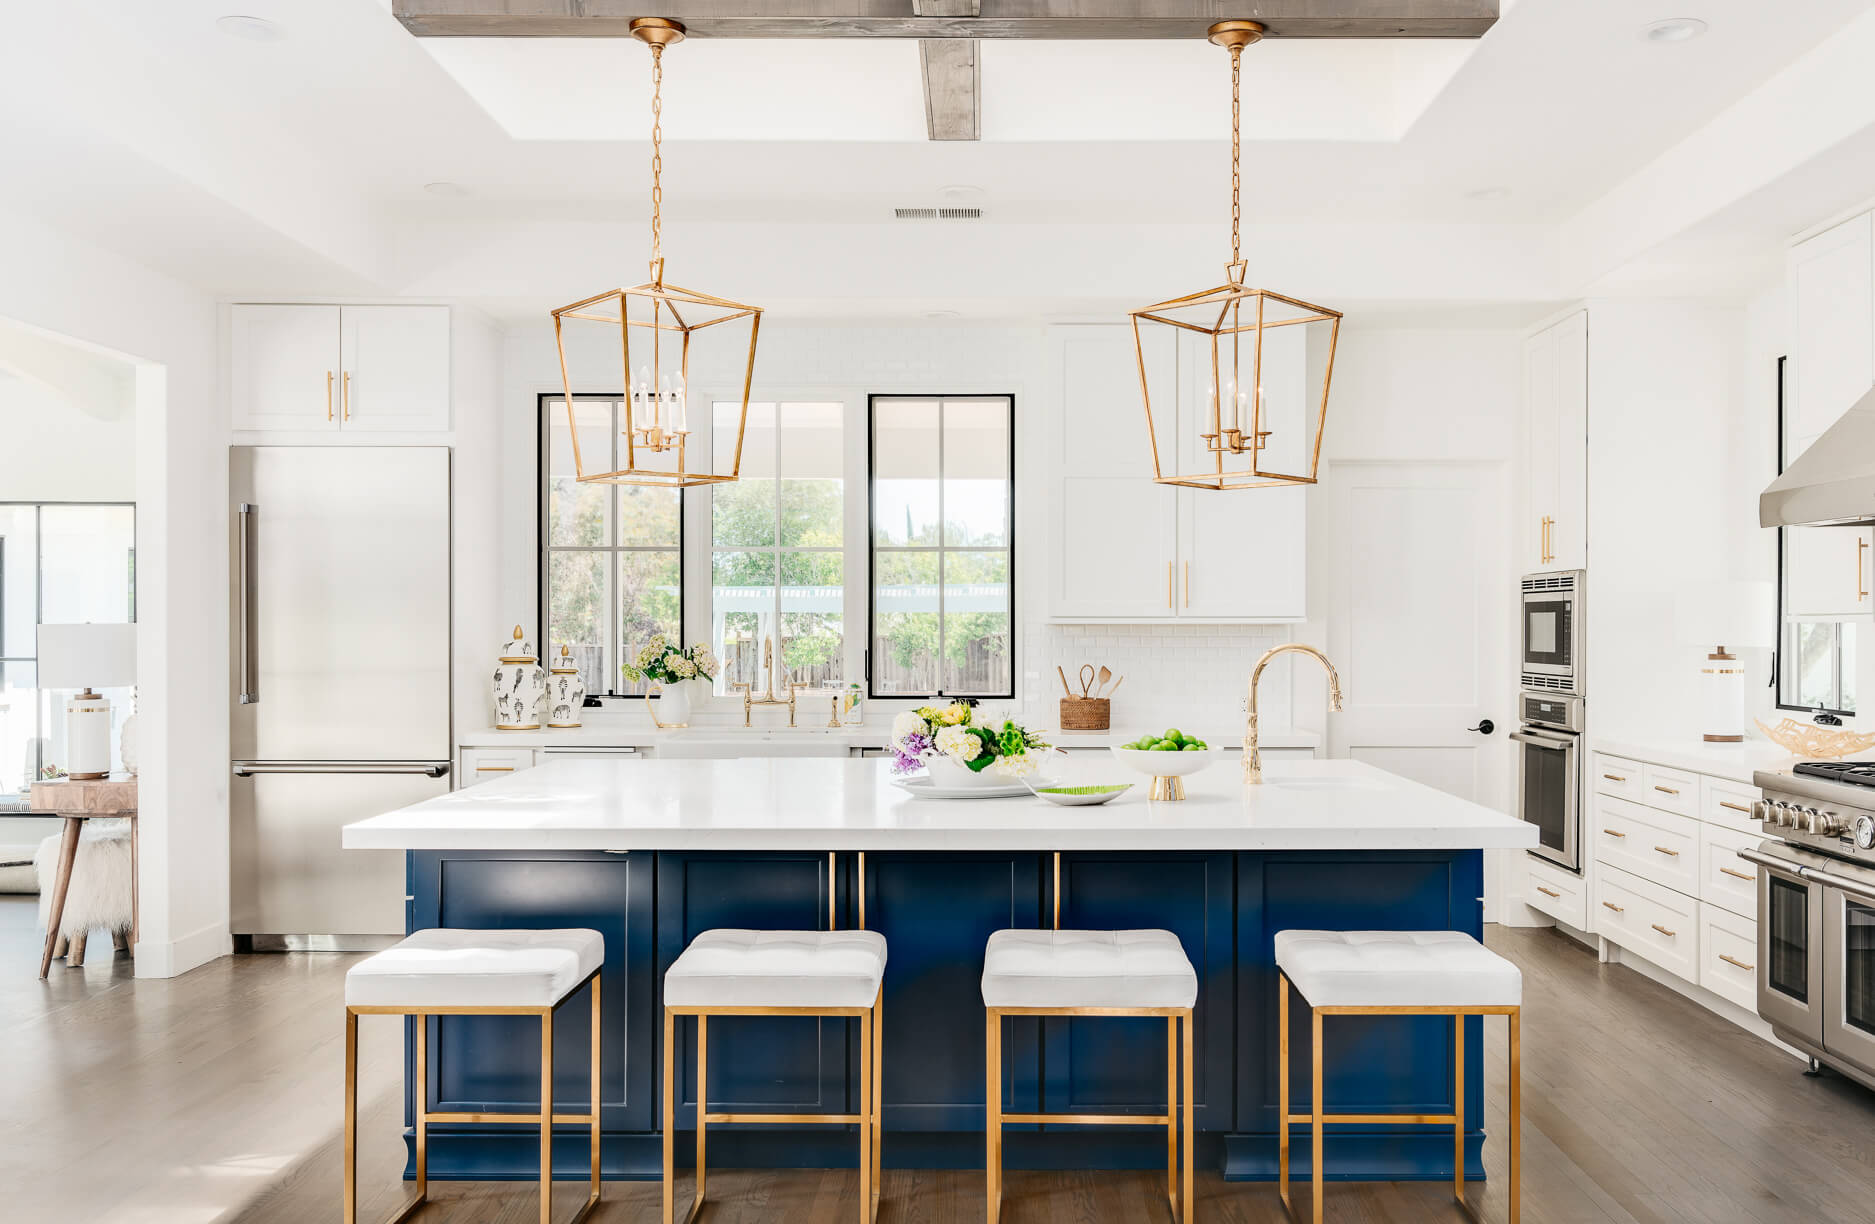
[948,736]
[668,663]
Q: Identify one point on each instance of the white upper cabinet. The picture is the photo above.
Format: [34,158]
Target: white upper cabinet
[1127,547]
[1832,364]
[1556,407]
[362,368]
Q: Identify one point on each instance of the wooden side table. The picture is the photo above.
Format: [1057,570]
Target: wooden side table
[113,798]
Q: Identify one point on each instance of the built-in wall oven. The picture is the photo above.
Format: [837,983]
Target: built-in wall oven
[1549,774]
[1553,632]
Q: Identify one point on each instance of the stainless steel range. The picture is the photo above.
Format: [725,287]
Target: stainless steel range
[1816,911]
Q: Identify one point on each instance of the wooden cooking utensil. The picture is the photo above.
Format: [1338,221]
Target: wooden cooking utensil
[1087,678]
[1116,686]
[1105,676]
[1065,690]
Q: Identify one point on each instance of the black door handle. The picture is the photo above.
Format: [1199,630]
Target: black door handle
[1485,727]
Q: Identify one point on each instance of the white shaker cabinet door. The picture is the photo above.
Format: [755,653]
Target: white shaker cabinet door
[284,372]
[1243,554]
[1829,568]
[396,374]
[1568,534]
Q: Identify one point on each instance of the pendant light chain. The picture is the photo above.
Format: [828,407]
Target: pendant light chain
[1236,153]
[657,160]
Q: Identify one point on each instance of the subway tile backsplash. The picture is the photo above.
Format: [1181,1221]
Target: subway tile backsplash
[1191,676]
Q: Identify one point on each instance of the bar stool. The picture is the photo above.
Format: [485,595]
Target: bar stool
[776,973]
[1090,973]
[1395,973]
[444,972]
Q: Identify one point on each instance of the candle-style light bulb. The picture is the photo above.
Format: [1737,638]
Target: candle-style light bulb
[680,415]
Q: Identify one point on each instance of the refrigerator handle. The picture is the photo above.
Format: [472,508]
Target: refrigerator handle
[429,769]
[245,629]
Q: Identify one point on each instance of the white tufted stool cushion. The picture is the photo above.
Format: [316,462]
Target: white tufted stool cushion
[1087,969]
[733,968]
[1397,969]
[443,967]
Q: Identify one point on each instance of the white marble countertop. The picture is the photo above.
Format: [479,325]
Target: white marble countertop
[767,803]
[615,731]
[1733,762]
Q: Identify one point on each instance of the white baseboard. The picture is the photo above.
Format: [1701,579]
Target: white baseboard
[178,956]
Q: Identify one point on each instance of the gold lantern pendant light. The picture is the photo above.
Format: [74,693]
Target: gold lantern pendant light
[1251,411]
[656,323]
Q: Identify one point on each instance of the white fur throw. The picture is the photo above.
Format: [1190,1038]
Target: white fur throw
[99,895]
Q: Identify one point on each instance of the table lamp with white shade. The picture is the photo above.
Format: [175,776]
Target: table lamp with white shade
[1724,617]
[87,658]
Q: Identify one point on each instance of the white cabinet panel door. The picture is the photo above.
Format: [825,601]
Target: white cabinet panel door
[285,367]
[1828,569]
[1243,554]
[1568,534]
[1543,477]
[396,368]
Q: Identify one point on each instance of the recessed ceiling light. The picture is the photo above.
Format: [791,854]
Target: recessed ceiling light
[1675,29]
[253,29]
[451,191]
[960,191]
[1488,193]
[943,314]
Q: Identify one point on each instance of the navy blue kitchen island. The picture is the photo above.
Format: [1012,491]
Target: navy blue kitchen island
[488,858]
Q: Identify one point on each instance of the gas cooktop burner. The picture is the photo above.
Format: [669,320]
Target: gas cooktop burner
[1851,773]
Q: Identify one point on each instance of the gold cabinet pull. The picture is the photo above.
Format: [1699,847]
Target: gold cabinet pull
[494,769]
[1671,853]
[1732,961]
[328,395]
[1614,777]
[1188,584]
[1861,592]
[1611,905]
[1740,874]
[1663,930]
[1614,832]
[346,397]
[1665,790]
[1736,807]
[1548,892]
[1168,584]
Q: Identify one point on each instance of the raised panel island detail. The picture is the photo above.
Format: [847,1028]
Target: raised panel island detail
[651,853]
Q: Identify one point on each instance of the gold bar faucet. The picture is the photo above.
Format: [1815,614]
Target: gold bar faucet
[1252,760]
[750,701]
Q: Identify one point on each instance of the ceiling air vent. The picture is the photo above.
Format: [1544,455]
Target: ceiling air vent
[938,214]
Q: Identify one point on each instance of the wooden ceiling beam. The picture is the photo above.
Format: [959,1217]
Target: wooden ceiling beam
[1040,19]
[953,81]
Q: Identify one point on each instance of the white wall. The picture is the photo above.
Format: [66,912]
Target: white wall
[80,291]
[73,411]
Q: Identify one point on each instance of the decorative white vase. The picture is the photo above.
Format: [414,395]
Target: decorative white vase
[951,773]
[519,687]
[566,691]
[672,708]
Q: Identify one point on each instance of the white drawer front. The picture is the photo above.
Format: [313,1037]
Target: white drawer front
[1618,776]
[1729,804]
[1671,790]
[1654,922]
[1558,893]
[486,764]
[1725,880]
[1728,950]
[1654,845]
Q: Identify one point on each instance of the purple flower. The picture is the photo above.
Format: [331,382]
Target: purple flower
[908,753]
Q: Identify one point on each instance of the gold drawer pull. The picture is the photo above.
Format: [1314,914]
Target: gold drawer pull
[1614,777]
[1614,832]
[1663,930]
[1665,790]
[1736,807]
[1741,964]
[1664,850]
[1740,874]
[1548,892]
[494,769]
[1616,908]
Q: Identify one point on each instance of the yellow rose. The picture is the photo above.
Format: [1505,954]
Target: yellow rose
[957,715]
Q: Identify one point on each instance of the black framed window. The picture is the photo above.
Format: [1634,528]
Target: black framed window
[941,482]
[612,558]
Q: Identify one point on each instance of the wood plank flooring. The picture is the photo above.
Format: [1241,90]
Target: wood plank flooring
[215,1097]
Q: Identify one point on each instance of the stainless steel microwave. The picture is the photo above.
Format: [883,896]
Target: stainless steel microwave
[1554,627]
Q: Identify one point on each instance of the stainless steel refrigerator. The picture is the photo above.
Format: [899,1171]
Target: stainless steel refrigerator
[340,708]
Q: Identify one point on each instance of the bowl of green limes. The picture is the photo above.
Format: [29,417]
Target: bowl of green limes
[1171,755]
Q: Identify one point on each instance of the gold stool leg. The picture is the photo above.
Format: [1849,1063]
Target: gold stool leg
[546,1116]
[1516,1114]
[1171,1114]
[703,1104]
[1186,1193]
[351,1116]
[422,1092]
[593,1057]
[1315,1121]
[993,1114]
[670,1114]
[1282,1091]
[865,1113]
[878,1101]
[1458,1108]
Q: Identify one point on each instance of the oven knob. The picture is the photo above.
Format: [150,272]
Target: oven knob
[1807,819]
[1786,814]
[1827,823]
[1865,832]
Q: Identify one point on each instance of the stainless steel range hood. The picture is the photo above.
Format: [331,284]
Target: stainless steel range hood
[1832,483]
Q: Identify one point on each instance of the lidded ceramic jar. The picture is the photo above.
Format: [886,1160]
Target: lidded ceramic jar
[566,690]
[519,686]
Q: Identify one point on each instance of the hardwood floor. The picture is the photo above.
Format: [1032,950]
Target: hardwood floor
[215,1097]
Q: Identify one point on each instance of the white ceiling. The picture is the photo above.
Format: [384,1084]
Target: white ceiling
[298,166]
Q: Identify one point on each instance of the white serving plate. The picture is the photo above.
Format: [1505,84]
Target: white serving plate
[1068,800]
[925,788]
